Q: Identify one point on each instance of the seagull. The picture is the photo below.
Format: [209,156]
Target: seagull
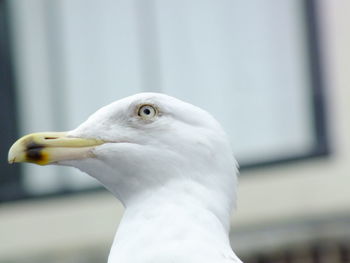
[171,165]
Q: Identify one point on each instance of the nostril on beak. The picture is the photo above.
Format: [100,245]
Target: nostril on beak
[50,138]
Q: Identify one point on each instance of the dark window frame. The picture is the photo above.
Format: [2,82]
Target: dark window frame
[10,180]
[10,176]
[317,96]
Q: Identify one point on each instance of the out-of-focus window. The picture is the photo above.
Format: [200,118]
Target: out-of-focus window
[10,185]
[252,64]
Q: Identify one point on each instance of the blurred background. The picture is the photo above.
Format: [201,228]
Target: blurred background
[273,72]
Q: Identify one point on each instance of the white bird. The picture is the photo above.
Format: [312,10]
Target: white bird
[171,165]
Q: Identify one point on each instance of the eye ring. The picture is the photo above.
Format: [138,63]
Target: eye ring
[147,111]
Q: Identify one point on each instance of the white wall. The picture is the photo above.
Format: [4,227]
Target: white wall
[317,189]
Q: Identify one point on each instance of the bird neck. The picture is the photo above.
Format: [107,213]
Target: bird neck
[176,218]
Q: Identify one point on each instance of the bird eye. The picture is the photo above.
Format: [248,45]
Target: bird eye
[147,111]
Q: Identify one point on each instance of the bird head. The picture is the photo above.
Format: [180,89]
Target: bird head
[141,142]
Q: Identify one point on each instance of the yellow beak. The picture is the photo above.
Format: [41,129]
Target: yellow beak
[51,147]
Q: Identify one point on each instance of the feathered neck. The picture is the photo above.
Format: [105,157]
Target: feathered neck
[180,222]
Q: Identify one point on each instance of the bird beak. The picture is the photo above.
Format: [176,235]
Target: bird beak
[51,147]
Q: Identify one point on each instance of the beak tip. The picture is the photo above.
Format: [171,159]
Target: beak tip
[15,153]
[11,158]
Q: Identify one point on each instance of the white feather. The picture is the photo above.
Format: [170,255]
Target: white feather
[175,175]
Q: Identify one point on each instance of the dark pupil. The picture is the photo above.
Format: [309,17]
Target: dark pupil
[147,111]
